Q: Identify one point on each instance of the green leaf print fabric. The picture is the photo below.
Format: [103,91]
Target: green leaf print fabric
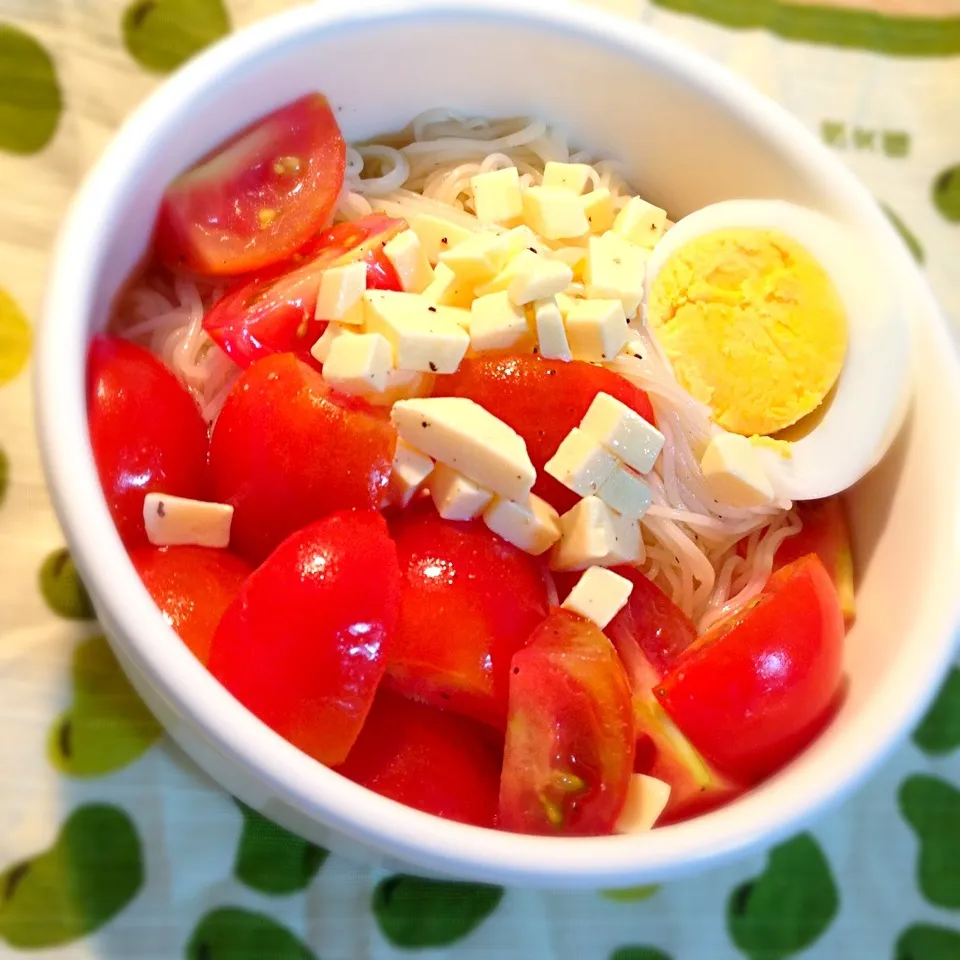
[114,846]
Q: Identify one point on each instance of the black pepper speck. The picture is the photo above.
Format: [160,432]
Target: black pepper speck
[432,309]
[161,510]
[433,367]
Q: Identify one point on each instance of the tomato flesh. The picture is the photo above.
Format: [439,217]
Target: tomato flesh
[570,735]
[469,601]
[257,199]
[286,450]
[752,691]
[146,432]
[429,759]
[304,644]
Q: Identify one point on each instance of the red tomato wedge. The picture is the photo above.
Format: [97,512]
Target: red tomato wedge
[304,644]
[145,429]
[286,450]
[543,400]
[192,586]
[570,736]
[753,690]
[429,759]
[469,601]
[255,200]
[275,313]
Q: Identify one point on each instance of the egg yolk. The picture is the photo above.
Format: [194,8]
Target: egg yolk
[752,325]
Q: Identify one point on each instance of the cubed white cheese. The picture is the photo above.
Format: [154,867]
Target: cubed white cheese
[522,238]
[565,304]
[574,257]
[477,260]
[567,176]
[554,213]
[423,336]
[533,526]
[580,463]
[551,336]
[623,431]
[402,385]
[498,324]
[496,195]
[176,521]
[359,365]
[437,234]
[599,595]
[447,289]
[626,493]
[456,497]
[593,535]
[646,800]
[641,222]
[321,349]
[461,434]
[528,277]
[341,289]
[615,270]
[598,206]
[413,268]
[597,330]
[410,469]
[733,472]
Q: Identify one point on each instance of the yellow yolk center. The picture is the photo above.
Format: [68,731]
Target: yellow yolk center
[753,326]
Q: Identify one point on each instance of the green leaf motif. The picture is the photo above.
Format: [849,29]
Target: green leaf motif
[273,860]
[946,194]
[939,732]
[630,894]
[639,953]
[233,934]
[414,913]
[789,906]
[923,941]
[62,588]
[906,234]
[16,337]
[30,99]
[92,871]
[932,808]
[107,726]
[163,34]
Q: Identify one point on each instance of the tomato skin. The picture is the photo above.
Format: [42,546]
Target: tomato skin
[543,400]
[429,759]
[570,735]
[192,586]
[751,692]
[146,432]
[257,198]
[458,630]
[286,450]
[304,644]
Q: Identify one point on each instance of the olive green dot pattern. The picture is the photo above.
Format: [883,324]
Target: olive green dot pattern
[163,34]
[30,99]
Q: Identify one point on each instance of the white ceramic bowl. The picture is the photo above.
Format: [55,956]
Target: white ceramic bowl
[690,134]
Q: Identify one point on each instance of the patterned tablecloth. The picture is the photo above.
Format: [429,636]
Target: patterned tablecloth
[112,845]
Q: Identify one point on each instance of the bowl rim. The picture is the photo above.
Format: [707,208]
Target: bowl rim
[141,633]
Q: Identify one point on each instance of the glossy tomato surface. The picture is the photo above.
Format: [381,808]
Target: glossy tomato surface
[286,451]
[192,586]
[256,199]
[543,400]
[570,734]
[753,690]
[427,758]
[469,601]
[304,644]
[145,429]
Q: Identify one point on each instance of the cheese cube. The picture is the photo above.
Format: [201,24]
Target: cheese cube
[402,385]
[533,526]
[551,336]
[574,257]
[567,176]
[598,206]
[341,289]
[410,469]
[733,472]
[359,365]
[321,349]
[626,493]
[599,595]
[405,253]
[175,521]
[478,259]
[554,213]
[456,497]
[496,195]
[498,324]
[437,234]
[593,535]
[646,800]
[623,432]
[615,270]
[423,336]
[581,464]
[641,222]
[565,304]
[461,434]
[447,290]
[522,238]
[597,329]
[528,277]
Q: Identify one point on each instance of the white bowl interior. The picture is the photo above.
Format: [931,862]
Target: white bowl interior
[689,135]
